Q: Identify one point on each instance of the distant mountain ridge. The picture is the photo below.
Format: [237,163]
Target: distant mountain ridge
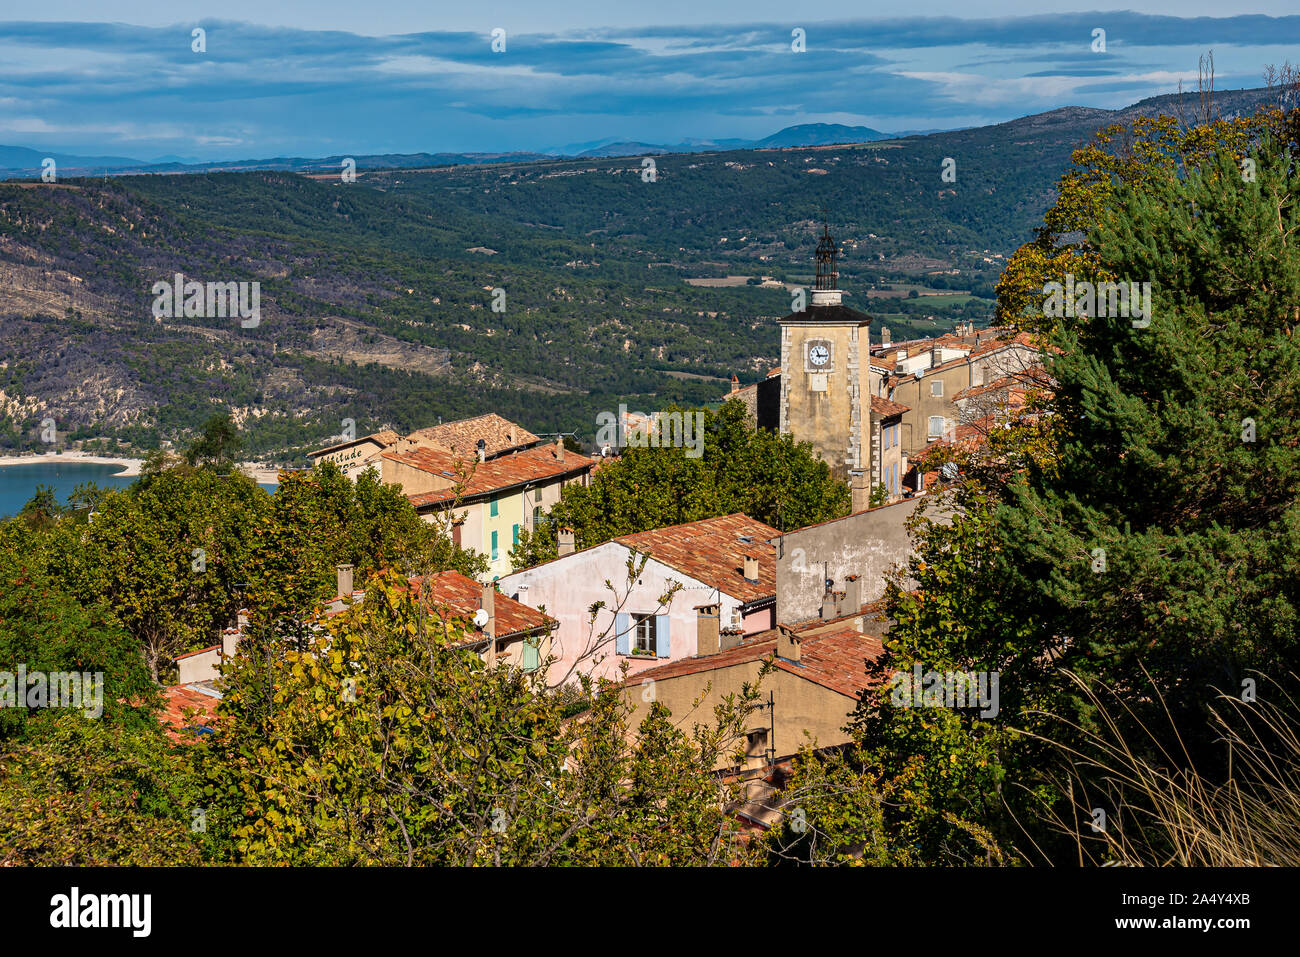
[18,161]
[22,162]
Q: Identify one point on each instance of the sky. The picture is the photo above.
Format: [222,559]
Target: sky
[342,77]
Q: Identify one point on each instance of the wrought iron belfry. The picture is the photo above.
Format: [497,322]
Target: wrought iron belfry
[827,261]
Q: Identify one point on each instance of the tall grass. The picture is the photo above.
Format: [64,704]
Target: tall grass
[1161,810]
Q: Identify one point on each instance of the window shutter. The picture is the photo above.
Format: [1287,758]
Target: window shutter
[530,657]
[623,633]
[663,648]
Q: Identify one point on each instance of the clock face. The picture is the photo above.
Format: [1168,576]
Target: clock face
[819,355]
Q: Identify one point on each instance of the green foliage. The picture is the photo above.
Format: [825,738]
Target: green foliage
[216,446]
[81,793]
[47,630]
[767,476]
[1150,545]
[388,742]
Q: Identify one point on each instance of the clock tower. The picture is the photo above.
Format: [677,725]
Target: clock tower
[825,377]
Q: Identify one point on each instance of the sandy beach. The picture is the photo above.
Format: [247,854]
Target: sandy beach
[131,467]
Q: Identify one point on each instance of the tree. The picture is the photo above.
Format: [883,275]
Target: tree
[388,742]
[739,469]
[217,445]
[81,793]
[1139,534]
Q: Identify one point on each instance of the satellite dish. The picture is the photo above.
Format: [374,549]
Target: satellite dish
[480,618]
[919,373]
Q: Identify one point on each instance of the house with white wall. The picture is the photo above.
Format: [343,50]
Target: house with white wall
[727,562]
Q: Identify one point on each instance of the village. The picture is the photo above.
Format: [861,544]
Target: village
[690,614]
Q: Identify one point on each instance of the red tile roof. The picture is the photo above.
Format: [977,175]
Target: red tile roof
[177,699]
[462,435]
[712,551]
[886,407]
[836,660]
[461,597]
[494,475]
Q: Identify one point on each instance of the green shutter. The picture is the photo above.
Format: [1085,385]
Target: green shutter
[516,535]
[494,546]
[530,659]
[492,508]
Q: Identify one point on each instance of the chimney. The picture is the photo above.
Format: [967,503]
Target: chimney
[559,448]
[787,644]
[859,490]
[852,603]
[344,579]
[751,569]
[884,335]
[514,436]
[566,541]
[828,603]
[708,637]
[482,451]
[735,382]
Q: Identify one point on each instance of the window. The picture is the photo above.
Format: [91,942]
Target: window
[643,640]
[936,426]
[936,387]
[492,508]
[495,553]
[516,536]
[537,495]
[530,658]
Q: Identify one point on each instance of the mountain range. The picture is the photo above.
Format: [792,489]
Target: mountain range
[22,162]
[545,288]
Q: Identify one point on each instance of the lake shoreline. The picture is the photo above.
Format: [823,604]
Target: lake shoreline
[130,467]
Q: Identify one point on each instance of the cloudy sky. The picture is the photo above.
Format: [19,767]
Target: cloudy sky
[345,77]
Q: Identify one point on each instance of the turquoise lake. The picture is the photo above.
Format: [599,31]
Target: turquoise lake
[18,482]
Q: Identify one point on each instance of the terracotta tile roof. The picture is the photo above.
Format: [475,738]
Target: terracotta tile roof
[178,698]
[437,461]
[883,362]
[498,434]
[191,654]
[383,438]
[712,551]
[1020,338]
[461,597]
[886,407]
[494,475]
[836,660]
[754,648]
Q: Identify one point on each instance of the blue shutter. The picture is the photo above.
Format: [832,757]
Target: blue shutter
[622,633]
[662,646]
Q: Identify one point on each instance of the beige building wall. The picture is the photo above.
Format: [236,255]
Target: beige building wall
[917,395]
[354,459]
[800,705]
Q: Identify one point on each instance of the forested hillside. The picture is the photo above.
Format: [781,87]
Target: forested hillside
[377,296]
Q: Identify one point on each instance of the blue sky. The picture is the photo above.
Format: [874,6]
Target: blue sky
[331,77]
